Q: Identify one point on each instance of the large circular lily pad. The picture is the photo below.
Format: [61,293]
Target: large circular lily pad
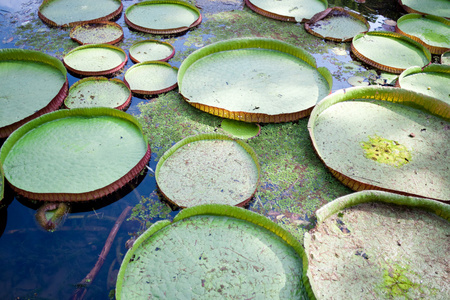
[162,17]
[439,8]
[151,77]
[253,80]
[215,252]
[74,155]
[431,31]
[150,50]
[287,10]
[389,51]
[32,84]
[208,168]
[97,33]
[98,91]
[95,59]
[433,80]
[72,12]
[377,245]
[337,24]
[385,138]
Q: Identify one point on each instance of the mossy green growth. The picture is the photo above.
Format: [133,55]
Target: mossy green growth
[396,282]
[386,151]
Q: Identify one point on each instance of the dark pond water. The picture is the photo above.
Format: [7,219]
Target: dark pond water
[36,264]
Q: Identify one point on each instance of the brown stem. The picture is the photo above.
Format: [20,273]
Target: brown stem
[84,284]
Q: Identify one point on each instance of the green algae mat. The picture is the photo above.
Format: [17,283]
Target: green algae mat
[33,83]
[385,138]
[287,10]
[378,245]
[440,8]
[253,80]
[74,155]
[208,168]
[215,252]
[149,50]
[69,12]
[97,33]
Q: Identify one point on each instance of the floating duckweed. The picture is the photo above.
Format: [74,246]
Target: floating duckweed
[386,151]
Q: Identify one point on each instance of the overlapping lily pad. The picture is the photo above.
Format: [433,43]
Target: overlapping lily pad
[74,155]
[380,244]
[253,80]
[215,251]
[32,84]
[151,77]
[150,50]
[386,139]
[445,58]
[389,51]
[208,168]
[162,17]
[69,12]
[433,80]
[431,31]
[439,8]
[98,91]
[97,33]
[95,59]
[337,24]
[288,10]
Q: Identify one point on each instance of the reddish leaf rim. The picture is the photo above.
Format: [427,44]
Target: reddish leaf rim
[135,60]
[120,107]
[76,197]
[163,31]
[105,23]
[90,73]
[50,22]
[321,15]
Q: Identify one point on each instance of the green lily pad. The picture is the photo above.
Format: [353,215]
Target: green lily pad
[69,13]
[445,58]
[389,51]
[97,33]
[95,59]
[386,139]
[239,129]
[433,80]
[208,168]
[431,31]
[440,8]
[288,10]
[33,83]
[253,80]
[162,17]
[379,244]
[151,77]
[98,91]
[337,24]
[74,155]
[215,252]
[150,50]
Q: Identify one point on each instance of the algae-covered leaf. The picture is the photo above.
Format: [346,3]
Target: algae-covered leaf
[97,33]
[208,168]
[151,77]
[215,251]
[74,155]
[288,10]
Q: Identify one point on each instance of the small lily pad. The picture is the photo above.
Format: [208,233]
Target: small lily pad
[150,50]
[287,10]
[151,77]
[239,129]
[208,168]
[358,81]
[97,33]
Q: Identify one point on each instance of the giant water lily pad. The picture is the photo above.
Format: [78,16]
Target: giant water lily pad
[151,77]
[74,155]
[337,24]
[385,138]
[431,31]
[162,17]
[97,33]
[439,8]
[389,51]
[98,91]
[433,80]
[95,59]
[287,10]
[208,168]
[149,50]
[253,80]
[32,84]
[72,12]
[377,245]
[215,252]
